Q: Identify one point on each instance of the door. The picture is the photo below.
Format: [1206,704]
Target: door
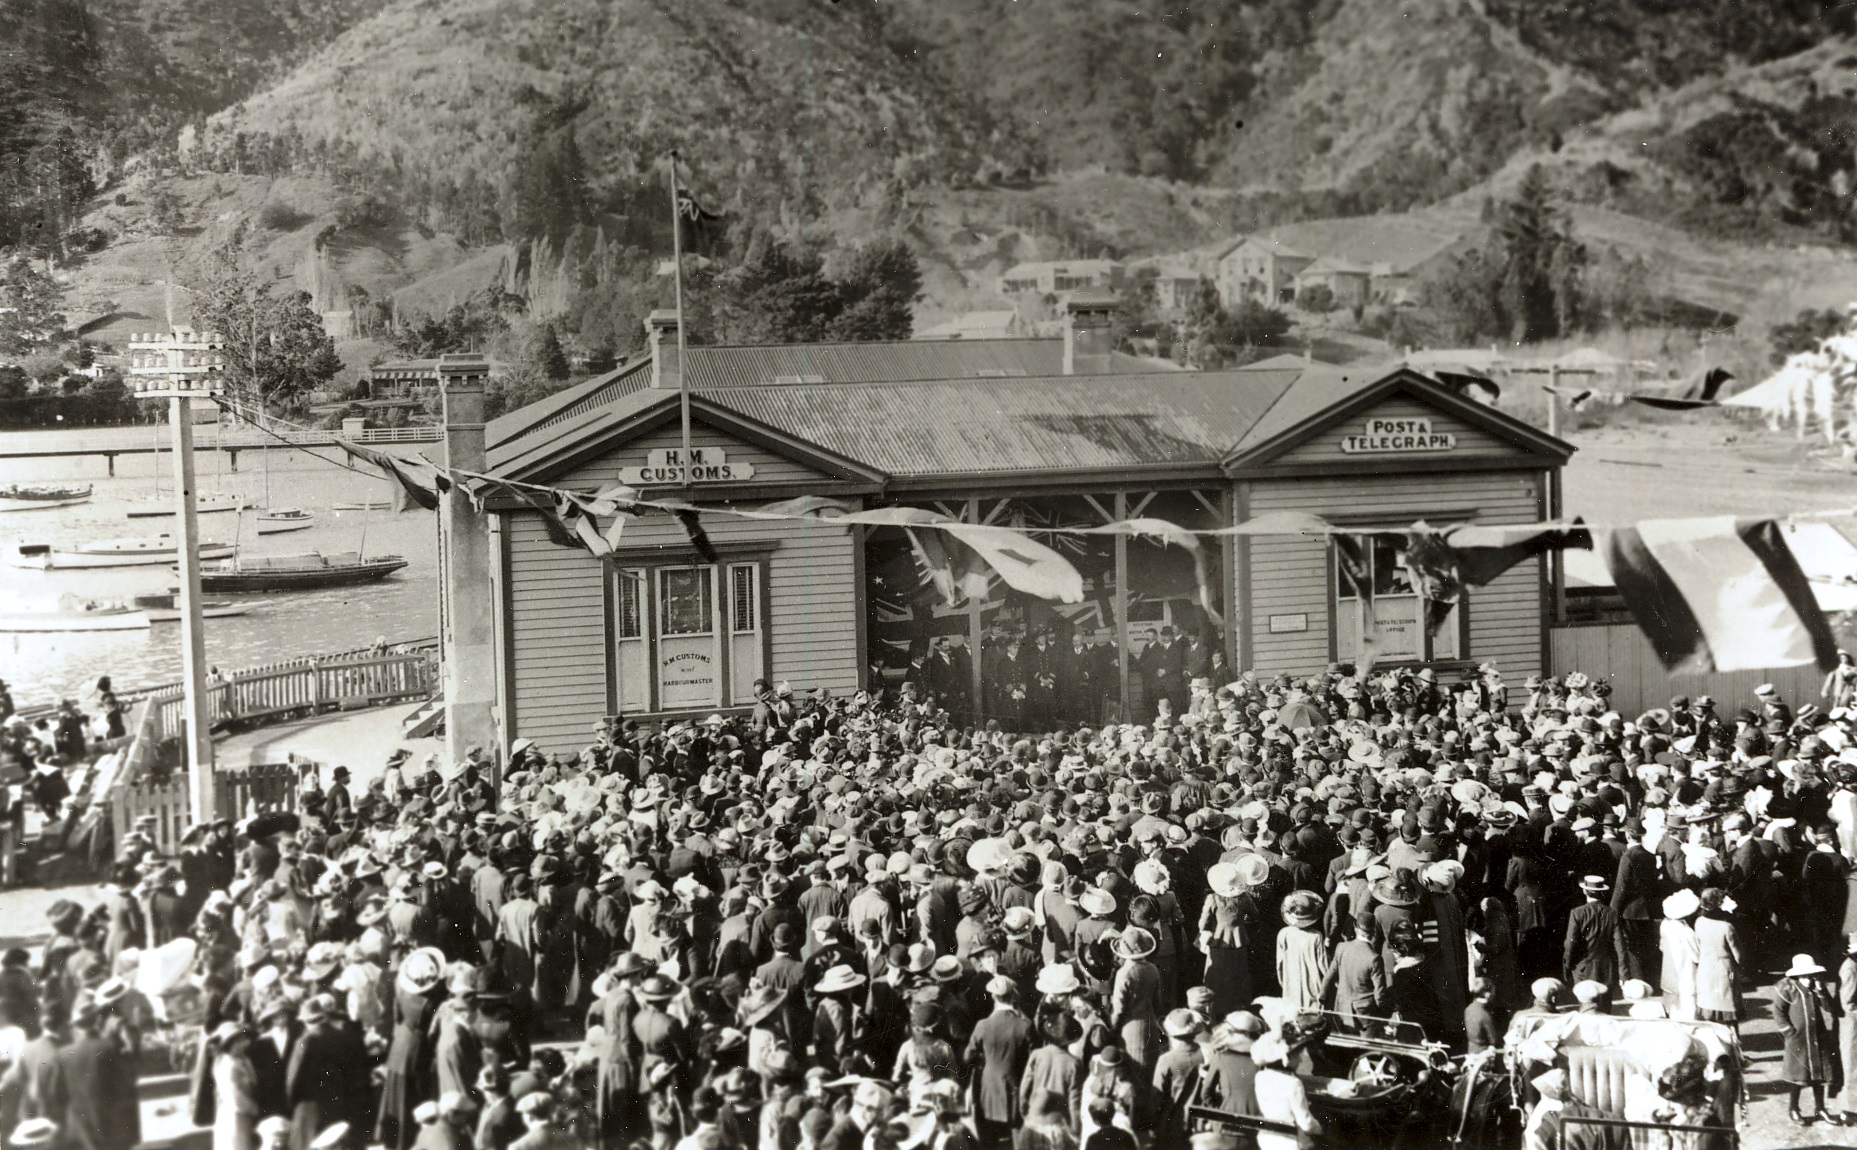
[689,663]
[744,630]
[631,602]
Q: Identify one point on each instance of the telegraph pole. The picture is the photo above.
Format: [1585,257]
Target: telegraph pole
[182,366]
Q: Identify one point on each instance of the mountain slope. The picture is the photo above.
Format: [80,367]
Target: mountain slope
[786,108]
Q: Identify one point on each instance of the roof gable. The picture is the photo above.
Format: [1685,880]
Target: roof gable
[1326,397]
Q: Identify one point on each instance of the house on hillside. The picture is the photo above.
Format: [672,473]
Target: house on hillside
[1060,277]
[1361,259]
[1261,269]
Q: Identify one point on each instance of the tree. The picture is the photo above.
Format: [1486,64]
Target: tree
[1317,298]
[29,317]
[550,361]
[544,197]
[1252,324]
[275,348]
[878,293]
[1538,285]
[1139,317]
[779,296]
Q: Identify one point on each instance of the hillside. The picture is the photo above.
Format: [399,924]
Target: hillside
[418,150]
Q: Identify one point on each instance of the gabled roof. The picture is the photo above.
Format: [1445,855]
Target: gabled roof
[757,365]
[1327,395]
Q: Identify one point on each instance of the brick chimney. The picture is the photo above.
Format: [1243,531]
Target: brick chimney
[661,336]
[1089,339]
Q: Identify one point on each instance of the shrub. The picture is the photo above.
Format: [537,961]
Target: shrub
[279,216]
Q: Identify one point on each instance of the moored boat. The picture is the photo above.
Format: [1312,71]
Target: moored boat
[284,519]
[307,572]
[365,505]
[22,497]
[143,551]
[75,614]
[166,607]
[204,503]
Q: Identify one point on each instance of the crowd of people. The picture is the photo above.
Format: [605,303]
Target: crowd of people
[846,922]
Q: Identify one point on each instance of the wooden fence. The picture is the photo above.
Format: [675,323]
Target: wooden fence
[251,790]
[1620,654]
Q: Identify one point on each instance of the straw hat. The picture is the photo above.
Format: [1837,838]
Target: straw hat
[1097,901]
[1302,908]
[421,970]
[1058,978]
[839,978]
[1804,965]
[759,1002]
[1253,870]
[1134,943]
[33,1132]
[1151,877]
[1224,881]
[658,988]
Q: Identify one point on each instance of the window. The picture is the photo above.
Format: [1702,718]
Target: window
[1395,609]
[631,619]
[741,598]
[684,601]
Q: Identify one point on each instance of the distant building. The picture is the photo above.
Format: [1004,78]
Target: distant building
[1361,259]
[1060,277]
[1004,324]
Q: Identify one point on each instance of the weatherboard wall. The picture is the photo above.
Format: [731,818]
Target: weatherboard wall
[554,640]
[1293,576]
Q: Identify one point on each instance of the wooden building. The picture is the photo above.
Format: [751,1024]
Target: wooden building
[1024,432]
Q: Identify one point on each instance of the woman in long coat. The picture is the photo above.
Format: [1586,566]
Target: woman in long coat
[1225,927]
[409,1069]
[1718,962]
[1805,1005]
[235,1090]
[1847,998]
[1677,939]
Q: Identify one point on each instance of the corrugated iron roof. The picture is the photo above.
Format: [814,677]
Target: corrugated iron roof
[893,362]
[1052,423]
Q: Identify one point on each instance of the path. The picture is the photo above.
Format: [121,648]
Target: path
[358,740]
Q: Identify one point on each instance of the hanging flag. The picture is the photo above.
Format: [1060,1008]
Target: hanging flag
[1354,564]
[699,230]
[956,571]
[1173,535]
[1719,594]
[1279,523]
[1699,390]
[561,532]
[1025,564]
[1440,563]
[401,472]
[686,514]
[809,507]
[1576,397]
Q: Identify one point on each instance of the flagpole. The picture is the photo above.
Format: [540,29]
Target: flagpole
[683,378]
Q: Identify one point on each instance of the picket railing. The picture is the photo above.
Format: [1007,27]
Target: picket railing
[307,687]
[238,792]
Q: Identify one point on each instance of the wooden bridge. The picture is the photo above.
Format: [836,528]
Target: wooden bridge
[111,442]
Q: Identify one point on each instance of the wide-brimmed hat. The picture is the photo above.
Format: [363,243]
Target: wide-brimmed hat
[1302,908]
[1804,965]
[759,1002]
[1224,881]
[1058,978]
[1018,922]
[1395,890]
[1682,903]
[658,988]
[1151,876]
[1134,943]
[839,978]
[947,968]
[421,970]
[1595,883]
[1097,901]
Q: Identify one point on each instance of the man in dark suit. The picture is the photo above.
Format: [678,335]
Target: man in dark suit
[999,1049]
[95,1080]
[1593,949]
[326,1080]
[1637,900]
[1750,885]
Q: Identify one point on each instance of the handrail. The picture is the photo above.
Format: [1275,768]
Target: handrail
[311,686]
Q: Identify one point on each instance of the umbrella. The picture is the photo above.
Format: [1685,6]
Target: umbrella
[271,823]
[1301,714]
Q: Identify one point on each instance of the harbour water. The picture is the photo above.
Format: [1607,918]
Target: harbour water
[280,626]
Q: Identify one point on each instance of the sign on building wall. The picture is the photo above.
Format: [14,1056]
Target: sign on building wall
[1398,436]
[666,465]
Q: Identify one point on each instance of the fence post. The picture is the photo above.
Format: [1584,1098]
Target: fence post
[315,685]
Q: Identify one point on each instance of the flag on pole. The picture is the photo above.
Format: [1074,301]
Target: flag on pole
[699,228]
[1719,594]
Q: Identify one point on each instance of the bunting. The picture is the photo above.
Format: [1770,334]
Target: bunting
[1719,594]
[687,515]
[404,473]
[1440,563]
